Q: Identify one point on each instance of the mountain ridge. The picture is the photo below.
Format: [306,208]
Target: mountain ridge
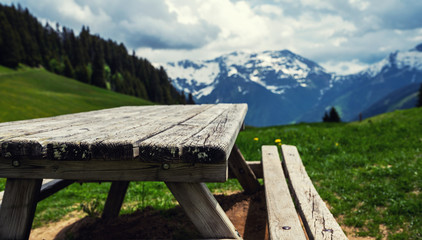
[282,87]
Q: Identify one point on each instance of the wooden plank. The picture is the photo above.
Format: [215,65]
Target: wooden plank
[85,128]
[41,125]
[203,210]
[206,138]
[18,208]
[283,221]
[255,166]
[218,136]
[51,187]
[194,133]
[243,172]
[86,133]
[122,141]
[115,198]
[318,220]
[115,170]
[48,188]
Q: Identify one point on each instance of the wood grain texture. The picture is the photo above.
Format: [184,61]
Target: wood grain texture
[203,210]
[115,198]
[176,133]
[18,208]
[283,221]
[243,172]
[318,220]
[128,170]
[256,168]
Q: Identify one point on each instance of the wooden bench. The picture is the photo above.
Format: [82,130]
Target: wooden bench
[183,146]
[284,219]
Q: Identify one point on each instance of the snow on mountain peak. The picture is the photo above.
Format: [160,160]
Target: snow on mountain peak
[410,59]
[196,74]
[283,62]
[274,70]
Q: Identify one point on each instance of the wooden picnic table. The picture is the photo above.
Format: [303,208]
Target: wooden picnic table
[182,145]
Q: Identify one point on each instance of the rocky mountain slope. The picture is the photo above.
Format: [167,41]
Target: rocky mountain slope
[281,87]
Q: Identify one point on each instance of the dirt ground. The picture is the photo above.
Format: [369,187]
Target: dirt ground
[247,213]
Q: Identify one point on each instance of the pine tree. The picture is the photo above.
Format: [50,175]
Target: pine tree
[9,47]
[24,40]
[82,74]
[332,116]
[84,43]
[190,99]
[326,118]
[98,75]
[68,69]
[182,98]
[419,104]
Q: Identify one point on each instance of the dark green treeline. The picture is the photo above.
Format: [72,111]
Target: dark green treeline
[87,58]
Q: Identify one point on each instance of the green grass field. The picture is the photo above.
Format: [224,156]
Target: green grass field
[368,172]
[32,93]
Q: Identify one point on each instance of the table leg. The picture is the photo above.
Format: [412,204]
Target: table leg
[18,207]
[242,171]
[203,210]
[115,198]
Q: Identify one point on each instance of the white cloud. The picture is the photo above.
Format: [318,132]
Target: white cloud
[69,9]
[185,14]
[359,4]
[317,4]
[335,32]
[269,10]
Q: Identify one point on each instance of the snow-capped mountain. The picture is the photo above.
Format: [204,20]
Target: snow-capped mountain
[281,87]
[353,94]
[274,71]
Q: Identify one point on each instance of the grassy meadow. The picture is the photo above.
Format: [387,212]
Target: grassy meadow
[32,93]
[368,172]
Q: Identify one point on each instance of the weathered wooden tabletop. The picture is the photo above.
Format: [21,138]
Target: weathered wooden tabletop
[183,146]
[194,134]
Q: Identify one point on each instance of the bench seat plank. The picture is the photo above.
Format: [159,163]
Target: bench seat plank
[283,220]
[317,218]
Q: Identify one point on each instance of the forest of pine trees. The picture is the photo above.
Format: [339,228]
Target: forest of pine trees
[87,58]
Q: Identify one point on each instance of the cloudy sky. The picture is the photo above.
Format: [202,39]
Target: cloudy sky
[344,36]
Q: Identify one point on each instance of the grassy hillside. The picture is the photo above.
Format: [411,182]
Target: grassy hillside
[32,93]
[403,98]
[369,172]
